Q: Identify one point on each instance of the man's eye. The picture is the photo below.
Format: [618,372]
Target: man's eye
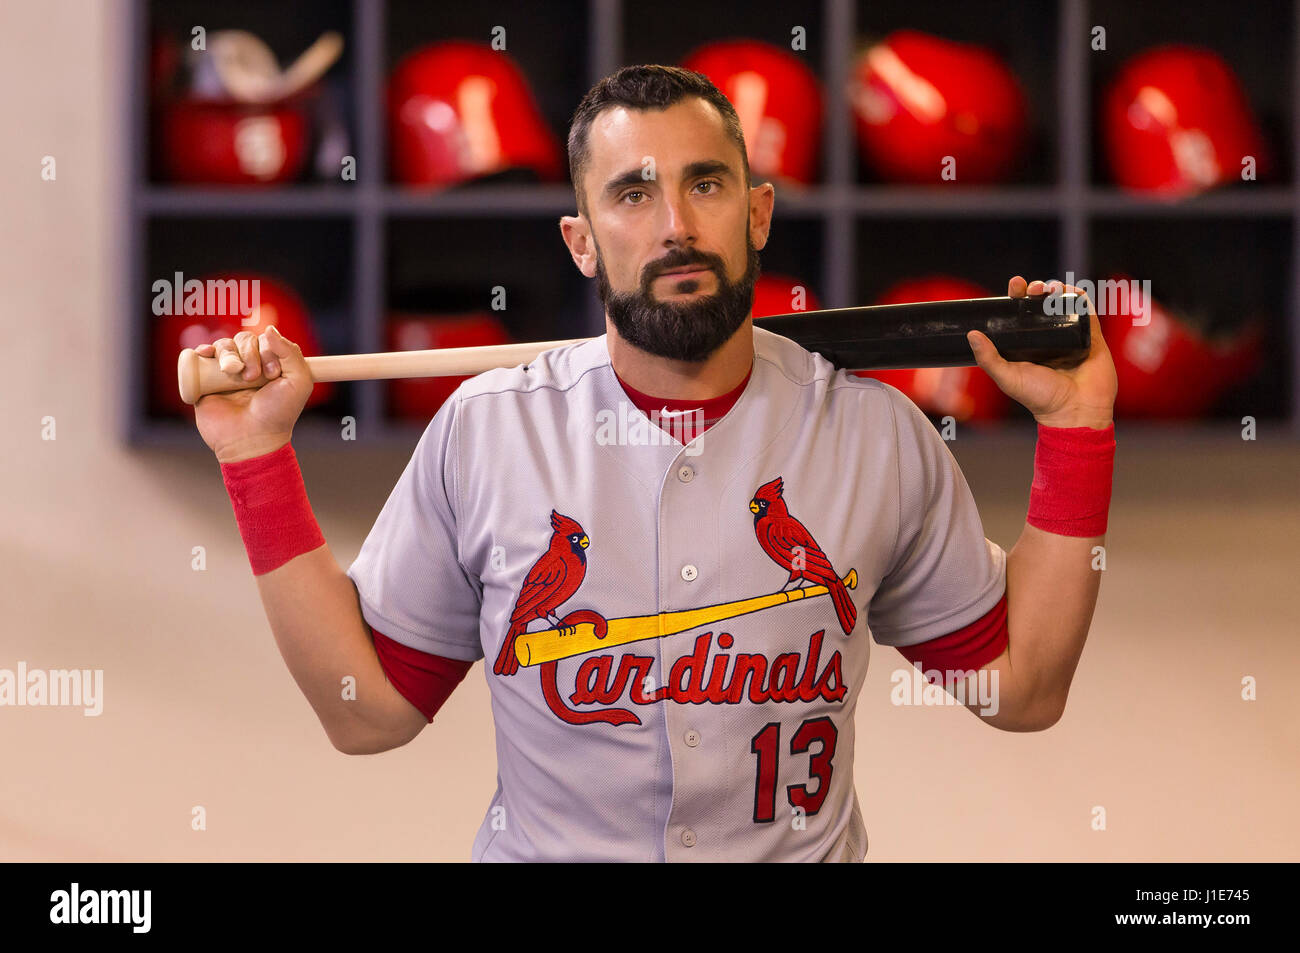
[713,186]
[628,195]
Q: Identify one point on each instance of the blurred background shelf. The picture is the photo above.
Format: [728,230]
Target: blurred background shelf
[526,200]
[304,200]
[364,250]
[1269,201]
[520,200]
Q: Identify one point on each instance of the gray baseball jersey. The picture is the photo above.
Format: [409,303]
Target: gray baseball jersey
[675,634]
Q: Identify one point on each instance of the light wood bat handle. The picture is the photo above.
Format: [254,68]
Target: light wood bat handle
[200,376]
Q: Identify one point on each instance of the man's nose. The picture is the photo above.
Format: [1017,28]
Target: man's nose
[678,225]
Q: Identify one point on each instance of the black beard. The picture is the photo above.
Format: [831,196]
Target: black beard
[681,332]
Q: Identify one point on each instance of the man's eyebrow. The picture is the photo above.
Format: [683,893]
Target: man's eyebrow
[692,170]
[630,177]
[707,167]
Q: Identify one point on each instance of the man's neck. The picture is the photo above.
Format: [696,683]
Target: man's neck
[684,380]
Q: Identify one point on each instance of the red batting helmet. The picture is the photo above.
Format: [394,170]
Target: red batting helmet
[778,99]
[221,308]
[1165,368]
[782,294]
[232,143]
[458,111]
[919,99]
[238,118]
[964,393]
[418,398]
[1176,121]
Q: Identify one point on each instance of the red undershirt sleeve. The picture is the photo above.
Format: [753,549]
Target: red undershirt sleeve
[423,679]
[968,649]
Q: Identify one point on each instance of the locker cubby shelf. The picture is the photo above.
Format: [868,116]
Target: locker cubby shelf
[830,230]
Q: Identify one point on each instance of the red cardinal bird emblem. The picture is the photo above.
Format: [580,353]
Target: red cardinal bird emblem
[552,581]
[792,547]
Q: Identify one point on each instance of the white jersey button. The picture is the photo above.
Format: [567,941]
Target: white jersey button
[689,572]
[686,473]
[692,738]
[688,837]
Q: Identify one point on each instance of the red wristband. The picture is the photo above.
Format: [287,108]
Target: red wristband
[271,508]
[1070,495]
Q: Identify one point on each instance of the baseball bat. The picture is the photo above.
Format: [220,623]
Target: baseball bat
[1045,329]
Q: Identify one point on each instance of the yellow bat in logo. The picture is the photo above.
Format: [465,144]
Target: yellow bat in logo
[550,645]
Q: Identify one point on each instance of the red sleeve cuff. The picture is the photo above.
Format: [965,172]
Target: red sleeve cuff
[423,679]
[968,649]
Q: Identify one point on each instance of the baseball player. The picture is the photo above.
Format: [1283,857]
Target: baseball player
[672,545]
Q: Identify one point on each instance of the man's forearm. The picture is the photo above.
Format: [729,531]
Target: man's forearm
[1051,593]
[1053,575]
[312,607]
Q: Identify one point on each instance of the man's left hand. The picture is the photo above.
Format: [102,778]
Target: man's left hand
[1083,396]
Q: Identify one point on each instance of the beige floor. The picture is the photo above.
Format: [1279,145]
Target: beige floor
[199,709]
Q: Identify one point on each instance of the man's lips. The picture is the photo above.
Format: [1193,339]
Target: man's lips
[690,273]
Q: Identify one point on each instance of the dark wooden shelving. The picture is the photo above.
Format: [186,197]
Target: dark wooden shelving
[830,218]
[298,200]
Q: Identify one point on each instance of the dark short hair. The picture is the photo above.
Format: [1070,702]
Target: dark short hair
[644,87]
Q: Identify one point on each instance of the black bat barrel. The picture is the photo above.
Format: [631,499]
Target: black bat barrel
[1046,329]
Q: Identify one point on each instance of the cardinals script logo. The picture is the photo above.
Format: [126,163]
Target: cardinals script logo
[558,573]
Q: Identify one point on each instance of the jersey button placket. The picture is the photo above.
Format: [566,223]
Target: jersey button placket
[681,497]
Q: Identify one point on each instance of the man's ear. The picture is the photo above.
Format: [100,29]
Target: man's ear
[762,198]
[577,235]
